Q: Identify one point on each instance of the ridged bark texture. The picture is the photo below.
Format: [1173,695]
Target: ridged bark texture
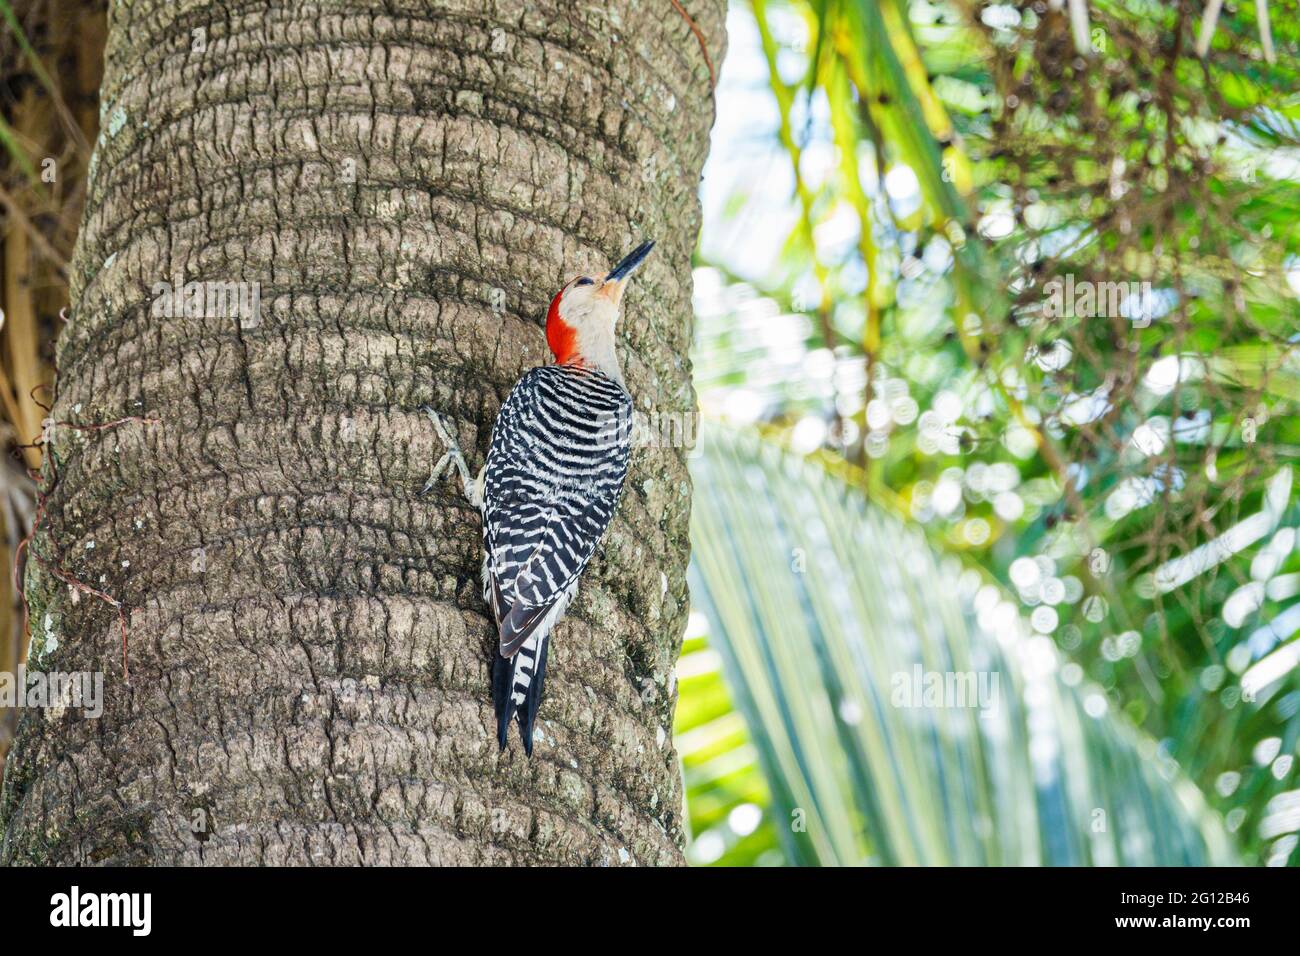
[407,183]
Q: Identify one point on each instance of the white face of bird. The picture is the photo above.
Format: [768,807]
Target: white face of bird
[580,324]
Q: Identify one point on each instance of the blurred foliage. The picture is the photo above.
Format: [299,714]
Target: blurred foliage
[1041,280]
[51,54]
[727,794]
[837,661]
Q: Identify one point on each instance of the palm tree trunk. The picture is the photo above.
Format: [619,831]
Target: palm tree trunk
[401,186]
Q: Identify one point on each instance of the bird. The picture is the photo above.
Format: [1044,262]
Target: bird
[554,475]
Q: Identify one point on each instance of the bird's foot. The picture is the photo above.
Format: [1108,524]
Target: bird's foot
[452,457]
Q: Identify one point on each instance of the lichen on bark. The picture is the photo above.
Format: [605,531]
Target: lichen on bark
[406,183]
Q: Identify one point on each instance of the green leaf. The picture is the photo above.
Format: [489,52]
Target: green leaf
[830,615]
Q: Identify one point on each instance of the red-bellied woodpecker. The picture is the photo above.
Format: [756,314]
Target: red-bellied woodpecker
[554,474]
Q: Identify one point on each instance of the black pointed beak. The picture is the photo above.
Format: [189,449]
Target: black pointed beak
[630,262]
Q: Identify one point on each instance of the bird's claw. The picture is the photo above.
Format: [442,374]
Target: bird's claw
[452,456]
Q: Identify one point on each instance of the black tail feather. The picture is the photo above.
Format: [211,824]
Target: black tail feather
[503,694]
[502,668]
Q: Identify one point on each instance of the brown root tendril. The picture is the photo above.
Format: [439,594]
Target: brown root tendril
[52,567]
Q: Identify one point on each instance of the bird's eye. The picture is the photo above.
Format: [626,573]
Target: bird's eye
[585,281]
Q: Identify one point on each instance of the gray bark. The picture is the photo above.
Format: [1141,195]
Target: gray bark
[408,183]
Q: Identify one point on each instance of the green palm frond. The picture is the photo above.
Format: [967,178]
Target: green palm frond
[831,615]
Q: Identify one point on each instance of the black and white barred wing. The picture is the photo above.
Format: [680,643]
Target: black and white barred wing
[555,471]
